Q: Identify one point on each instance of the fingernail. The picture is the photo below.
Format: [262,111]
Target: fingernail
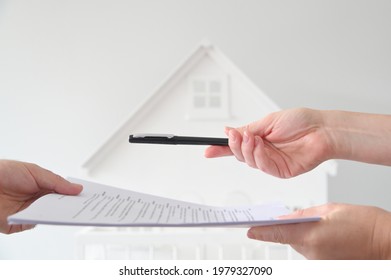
[250,234]
[232,136]
[77,187]
[245,137]
[227,129]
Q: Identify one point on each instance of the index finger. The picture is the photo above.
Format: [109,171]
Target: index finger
[284,234]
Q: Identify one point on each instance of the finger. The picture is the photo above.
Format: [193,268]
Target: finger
[217,151]
[235,144]
[284,234]
[18,228]
[292,233]
[248,149]
[262,159]
[49,181]
[227,129]
[260,127]
[26,227]
[321,210]
[278,233]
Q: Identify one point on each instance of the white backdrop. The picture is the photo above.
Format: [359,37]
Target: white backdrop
[71,71]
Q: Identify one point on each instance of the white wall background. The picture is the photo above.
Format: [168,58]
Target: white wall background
[71,71]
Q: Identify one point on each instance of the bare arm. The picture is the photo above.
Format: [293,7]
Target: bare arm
[292,142]
[359,136]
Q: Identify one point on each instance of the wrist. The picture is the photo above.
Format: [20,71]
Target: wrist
[346,134]
[334,135]
[358,136]
[382,236]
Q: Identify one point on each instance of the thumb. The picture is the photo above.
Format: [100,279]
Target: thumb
[286,233]
[50,181]
[260,127]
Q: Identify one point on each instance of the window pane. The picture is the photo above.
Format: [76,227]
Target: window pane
[215,86]
[199,86]
[215,101]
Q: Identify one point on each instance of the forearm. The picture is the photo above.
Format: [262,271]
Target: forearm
[359,136]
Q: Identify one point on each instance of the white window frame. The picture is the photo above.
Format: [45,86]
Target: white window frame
[201,102]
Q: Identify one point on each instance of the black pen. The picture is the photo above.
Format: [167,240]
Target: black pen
[171,139]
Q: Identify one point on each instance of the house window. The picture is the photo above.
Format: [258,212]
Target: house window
[207,94]
[215,94]
[209,97]
[200,93]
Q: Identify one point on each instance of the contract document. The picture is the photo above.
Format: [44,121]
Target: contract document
[101,205]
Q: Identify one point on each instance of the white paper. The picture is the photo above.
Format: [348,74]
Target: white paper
[100,205]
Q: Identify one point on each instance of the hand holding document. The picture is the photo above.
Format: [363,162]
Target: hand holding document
[100,205]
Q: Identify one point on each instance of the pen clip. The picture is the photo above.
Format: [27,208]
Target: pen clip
[154,135]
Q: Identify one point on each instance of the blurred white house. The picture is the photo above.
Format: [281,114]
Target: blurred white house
[204,94]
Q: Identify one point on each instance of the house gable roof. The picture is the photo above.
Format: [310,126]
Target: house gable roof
[205,48]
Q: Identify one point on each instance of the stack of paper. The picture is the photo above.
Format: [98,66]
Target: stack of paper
[100,205]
